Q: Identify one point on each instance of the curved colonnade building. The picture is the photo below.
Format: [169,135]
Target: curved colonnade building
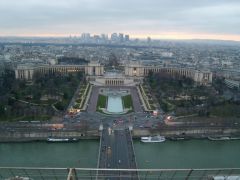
[203,77]
[133,73]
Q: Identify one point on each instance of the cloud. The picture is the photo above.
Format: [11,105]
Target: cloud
[139,16]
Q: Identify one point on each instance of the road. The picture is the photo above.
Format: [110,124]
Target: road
[116,152]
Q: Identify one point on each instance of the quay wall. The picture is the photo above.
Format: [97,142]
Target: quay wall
[136,133]
[42,135]
[193,132]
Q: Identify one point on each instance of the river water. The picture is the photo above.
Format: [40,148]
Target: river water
[43,154]
[170,154]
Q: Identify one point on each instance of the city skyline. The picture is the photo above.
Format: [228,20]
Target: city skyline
[216,19]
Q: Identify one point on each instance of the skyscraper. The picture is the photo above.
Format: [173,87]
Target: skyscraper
[149,40]
[85,37]
[114,37]
[121,39]
[126,37]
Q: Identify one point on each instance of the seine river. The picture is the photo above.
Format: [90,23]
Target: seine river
[170,154]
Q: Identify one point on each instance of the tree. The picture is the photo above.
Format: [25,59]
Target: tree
[79,75]
[113,61]
[59,106]
[150,76]
[8,77]
[2,110]
[37,95]
[10,101]
[65,95]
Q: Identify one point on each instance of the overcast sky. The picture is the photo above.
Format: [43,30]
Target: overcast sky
[216,19]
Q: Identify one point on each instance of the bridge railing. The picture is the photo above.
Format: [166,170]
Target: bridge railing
[39,173]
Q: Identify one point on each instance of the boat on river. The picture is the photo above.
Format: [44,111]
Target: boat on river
[177,138]
[218,138]
[225,178]
[153,139]
[222,138]
[51,139]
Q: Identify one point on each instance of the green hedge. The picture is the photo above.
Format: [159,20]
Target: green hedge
[127,101]
[102,101]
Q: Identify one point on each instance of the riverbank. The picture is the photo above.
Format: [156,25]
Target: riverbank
[42,136]
[168,132]
[194,133]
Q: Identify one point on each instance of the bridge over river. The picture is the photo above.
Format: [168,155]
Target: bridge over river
[116,151]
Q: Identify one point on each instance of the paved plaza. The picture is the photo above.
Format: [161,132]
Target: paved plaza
[92,104]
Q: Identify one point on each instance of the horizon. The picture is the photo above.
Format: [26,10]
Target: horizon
[132,37]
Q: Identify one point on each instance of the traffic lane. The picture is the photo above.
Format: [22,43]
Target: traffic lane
[126,154]
[118,144]
[107,155]
[124,151]
[120,159]
[113,144]
[105,150]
